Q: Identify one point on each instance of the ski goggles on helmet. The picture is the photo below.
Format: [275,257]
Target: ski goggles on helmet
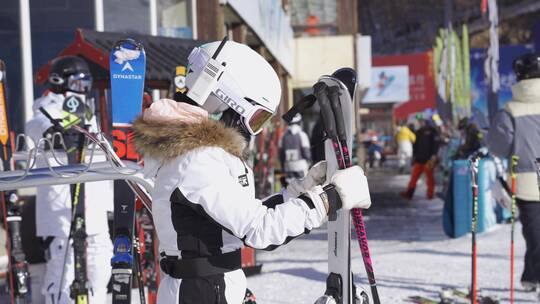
[78,83]
[254,116]
[197,58]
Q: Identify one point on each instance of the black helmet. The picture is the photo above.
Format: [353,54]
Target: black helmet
[527,66]
[70,73]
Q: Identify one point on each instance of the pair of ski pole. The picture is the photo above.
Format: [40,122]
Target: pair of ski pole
[334,124]
[475,160]
[513,177]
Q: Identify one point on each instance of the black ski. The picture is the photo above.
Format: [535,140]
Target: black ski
[149,258]
[74,111]
[19,287]
[79,286]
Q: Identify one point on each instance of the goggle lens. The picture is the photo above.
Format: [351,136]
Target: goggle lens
[80,83]
[258,120]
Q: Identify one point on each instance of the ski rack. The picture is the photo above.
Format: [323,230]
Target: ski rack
[57,172]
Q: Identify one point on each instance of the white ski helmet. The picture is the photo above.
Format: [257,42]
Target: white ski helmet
[248,85]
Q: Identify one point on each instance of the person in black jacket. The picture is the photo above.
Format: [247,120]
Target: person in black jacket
[424,158]
[473,138]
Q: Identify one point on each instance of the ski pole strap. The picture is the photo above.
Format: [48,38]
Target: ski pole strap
[334,201]
[330,198]
[304,103]
[200,267]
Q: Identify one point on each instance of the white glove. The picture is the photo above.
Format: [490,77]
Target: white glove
[315,176]
[352,186]
[348,186]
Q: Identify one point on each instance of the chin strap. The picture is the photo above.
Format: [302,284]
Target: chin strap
[181,97]
[234,120]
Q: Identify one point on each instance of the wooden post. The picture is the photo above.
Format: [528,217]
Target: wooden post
[347,20]
[210,20]
[239,32]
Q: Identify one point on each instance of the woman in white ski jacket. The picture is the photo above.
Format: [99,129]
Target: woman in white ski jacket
[204,203]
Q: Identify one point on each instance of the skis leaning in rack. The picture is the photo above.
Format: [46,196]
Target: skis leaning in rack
[73,112]
[149,256]
[127,70]
[18,283]
[79,286]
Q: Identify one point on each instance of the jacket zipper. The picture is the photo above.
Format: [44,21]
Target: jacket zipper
[218,296]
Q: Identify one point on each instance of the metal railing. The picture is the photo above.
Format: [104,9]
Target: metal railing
[56,170]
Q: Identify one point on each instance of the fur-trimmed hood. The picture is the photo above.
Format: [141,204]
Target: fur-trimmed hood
[167,140]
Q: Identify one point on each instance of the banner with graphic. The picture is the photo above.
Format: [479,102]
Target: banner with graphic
[452,67]
[507,79]
[388,84]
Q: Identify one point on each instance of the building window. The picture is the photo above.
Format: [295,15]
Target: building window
[174,18]
[314,17]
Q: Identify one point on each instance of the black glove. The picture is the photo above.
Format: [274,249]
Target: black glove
[52,130]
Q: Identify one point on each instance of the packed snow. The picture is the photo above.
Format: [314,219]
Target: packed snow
[410,252]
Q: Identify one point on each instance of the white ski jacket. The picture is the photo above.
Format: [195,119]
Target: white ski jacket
[204,199]
[53,203]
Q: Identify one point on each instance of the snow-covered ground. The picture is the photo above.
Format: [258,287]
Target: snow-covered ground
[411,254]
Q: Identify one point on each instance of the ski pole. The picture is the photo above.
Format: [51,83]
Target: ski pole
[513,176]
[329,122]
[474,174]
[304,103]
[335,287]
[358,219]
[139,267]
[79,288]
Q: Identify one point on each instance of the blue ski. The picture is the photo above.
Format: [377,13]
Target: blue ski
[127,68]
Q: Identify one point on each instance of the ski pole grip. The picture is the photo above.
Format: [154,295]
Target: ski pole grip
[333,92]
[55,121]
[319,89]
[305,103]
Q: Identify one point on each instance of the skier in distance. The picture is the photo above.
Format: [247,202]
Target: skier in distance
[294,151]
